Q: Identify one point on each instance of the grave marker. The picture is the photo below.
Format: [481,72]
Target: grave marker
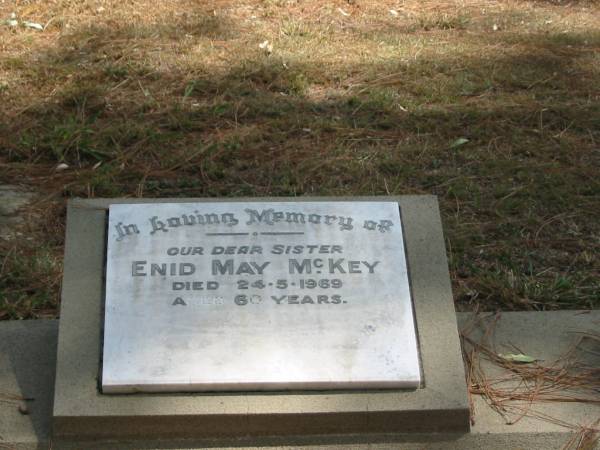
[415,257]
[233,296]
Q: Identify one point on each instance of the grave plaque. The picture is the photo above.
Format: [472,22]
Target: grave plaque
[257,296]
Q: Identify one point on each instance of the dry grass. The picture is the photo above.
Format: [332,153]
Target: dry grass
[517,390]
[13,401]
[176,98]
[7,397]
[584,439]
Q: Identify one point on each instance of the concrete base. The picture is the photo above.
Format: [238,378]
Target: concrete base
[27,358]
[81,411]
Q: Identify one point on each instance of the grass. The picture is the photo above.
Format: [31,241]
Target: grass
[177,99]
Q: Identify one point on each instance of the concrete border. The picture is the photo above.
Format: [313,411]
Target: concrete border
[28,359]
[80,411]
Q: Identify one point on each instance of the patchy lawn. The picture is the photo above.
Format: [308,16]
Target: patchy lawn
[494,106]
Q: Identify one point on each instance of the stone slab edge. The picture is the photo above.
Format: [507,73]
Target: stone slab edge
[81,411]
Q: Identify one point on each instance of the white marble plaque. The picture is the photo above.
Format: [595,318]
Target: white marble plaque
[257,296]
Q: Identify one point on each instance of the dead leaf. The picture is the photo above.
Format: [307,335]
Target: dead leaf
[458,142]
[266,46]
[34,25]
[518,358]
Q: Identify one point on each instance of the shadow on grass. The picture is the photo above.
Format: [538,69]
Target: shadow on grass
[520,198]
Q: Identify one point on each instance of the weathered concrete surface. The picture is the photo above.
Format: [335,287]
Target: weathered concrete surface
[80,410]
[549,337]
[27,366]
[12,199]
[27,352]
